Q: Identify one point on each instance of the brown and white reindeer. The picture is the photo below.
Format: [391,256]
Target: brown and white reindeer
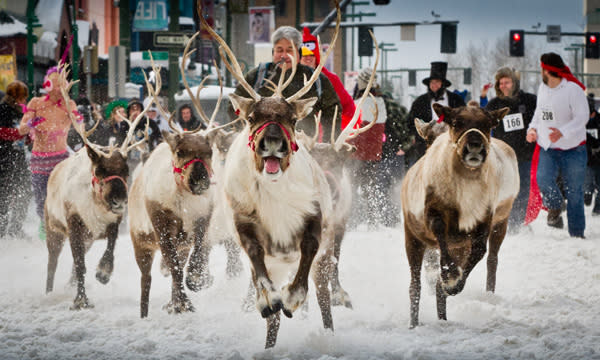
[171,202]
[455,199]
[87,196]
[279,196]
[333,158]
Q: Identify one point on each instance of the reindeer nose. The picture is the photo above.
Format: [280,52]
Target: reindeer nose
[118,204]
[474,145]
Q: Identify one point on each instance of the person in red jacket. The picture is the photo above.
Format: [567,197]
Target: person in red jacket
[311,57]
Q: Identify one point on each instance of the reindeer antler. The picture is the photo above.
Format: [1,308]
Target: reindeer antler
[375,111]
[63,73]
[234,66]
[345,133]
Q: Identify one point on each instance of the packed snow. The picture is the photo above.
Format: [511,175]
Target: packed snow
[546,306]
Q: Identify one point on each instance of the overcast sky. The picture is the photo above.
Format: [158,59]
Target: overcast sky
[478,20]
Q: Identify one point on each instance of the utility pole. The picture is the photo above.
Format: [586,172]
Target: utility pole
[352,16]
[125,32]
[32,22]
[173,55]
[75,45]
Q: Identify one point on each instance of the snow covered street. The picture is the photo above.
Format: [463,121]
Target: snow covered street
[546,306]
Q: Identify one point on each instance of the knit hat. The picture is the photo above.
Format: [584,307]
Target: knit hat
[363,78]
[438,71]
[110,107]
[310,45]
[147,102]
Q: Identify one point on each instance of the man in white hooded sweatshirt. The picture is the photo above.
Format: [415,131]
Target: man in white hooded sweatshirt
[558,127]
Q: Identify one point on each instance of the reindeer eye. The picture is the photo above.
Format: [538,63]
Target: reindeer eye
[179,153]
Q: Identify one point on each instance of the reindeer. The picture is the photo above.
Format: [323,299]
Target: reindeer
[332,157]
[279,196]
[455,199]
[87,196]
[171,202]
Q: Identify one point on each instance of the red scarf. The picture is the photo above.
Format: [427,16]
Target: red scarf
[563,72]
[535,198]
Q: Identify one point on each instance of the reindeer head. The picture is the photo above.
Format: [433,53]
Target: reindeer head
[429,131]
[191,156]
[272,123]
[109,179]
[470,129]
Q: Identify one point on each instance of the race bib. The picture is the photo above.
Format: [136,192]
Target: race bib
[593,133]
[548,115]
[513,122]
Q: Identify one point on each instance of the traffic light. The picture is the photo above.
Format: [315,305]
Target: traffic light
[467,76]
[448,42]
[412,78]
[517,43]
[592,45]
[381,2]
[365,42]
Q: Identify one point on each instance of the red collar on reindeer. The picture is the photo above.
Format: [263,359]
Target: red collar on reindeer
[102,182]
[251,144]
[180,170]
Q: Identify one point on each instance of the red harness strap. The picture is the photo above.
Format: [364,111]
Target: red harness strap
[177,170]
[107,179]
[251,144]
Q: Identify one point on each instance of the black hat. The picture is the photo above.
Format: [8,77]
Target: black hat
[438,71]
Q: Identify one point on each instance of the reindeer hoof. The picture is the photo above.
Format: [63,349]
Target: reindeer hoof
[197,282]
[179,307]
[452,280]
[104,270]
[292,299]
[102,277]
[81,302]
[341,297]
[267,311]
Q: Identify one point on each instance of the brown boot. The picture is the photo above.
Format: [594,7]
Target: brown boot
[554,219]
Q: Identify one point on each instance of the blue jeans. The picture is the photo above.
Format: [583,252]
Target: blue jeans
[592,184]
[571,164]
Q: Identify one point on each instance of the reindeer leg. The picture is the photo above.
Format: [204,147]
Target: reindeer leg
[144,258]
[273,322]
[338,295]
[234,264]
[496,238]
[414,253]
[54,243]
[106,264]
[198,276]
[294,295]
[479,239]
[440,300]
[78,233]
[321,278]
[268,299]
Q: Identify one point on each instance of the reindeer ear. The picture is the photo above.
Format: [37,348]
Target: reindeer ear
[421,127]
[497,115]
[170,138]
[444,111]
[93,155]
[303,107]
[243,106]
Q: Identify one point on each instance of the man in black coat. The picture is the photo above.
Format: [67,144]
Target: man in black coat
[513,131]
[421,108]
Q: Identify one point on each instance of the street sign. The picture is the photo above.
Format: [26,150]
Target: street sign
[553,33]
[170,39]
[156,55]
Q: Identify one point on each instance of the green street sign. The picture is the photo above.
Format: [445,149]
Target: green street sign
[156,55]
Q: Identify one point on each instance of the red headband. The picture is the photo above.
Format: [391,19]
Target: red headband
[563,72]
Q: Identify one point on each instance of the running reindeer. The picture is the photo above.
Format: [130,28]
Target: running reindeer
[457,198]
[279,195]
[87,196]
[171,202]
[332,157]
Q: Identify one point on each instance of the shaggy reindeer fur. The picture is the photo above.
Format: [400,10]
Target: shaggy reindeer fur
[170,211]
[455,198]
[279,215]
[83,211]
